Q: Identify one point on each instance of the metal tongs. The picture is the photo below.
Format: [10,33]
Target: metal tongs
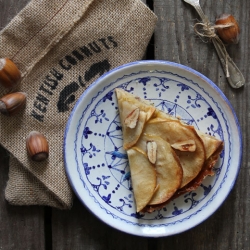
[235,77]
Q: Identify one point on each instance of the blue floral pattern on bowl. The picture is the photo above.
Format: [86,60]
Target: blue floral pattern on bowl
[101,164]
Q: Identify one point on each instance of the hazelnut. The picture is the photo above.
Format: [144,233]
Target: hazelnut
[12,103]
[9,73]
[227,29]
[37,146]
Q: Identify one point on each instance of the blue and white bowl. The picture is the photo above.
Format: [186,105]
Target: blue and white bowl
[97,166]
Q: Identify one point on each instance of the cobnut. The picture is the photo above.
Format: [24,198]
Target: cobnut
[37,146]
[12,103]
[227,29]
[9,73]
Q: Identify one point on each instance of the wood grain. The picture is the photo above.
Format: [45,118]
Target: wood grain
[175,41]
[80,229]
[20,227]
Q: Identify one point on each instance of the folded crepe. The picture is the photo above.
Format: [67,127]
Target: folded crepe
[166,156]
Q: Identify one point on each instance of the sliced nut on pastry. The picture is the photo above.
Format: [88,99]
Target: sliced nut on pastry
[132,118]
[167,166]
[143,177]
[132,135]
[188,145]
[133,115]
[151,151]
[134,101]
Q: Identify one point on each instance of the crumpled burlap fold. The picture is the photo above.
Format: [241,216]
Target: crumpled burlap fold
[61,47]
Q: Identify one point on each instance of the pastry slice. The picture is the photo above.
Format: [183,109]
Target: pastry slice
[185,141]
[167,157]
[207,170]
[143,176]
[133,114]
[167,166]
[135,101]
[212,146]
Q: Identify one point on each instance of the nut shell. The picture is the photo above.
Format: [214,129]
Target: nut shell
[10,75]
[229,35]
[37,146]
[12,103]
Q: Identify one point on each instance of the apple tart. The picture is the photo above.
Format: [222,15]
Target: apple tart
[166,156]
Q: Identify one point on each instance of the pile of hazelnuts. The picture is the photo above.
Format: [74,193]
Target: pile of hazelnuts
[13,102]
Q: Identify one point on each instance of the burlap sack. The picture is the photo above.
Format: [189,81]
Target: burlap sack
[61,47]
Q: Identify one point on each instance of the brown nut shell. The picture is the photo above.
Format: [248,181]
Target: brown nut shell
[37,146]
[229,34]
[10,75]
[12,103]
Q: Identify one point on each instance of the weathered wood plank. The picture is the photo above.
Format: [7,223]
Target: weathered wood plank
[20,227]
[175,41]
[80,229]
[8,9]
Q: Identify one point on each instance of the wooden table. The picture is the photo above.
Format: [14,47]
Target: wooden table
[41,228]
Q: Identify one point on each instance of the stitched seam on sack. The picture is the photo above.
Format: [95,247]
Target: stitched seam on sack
[56,39]
[49,21]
